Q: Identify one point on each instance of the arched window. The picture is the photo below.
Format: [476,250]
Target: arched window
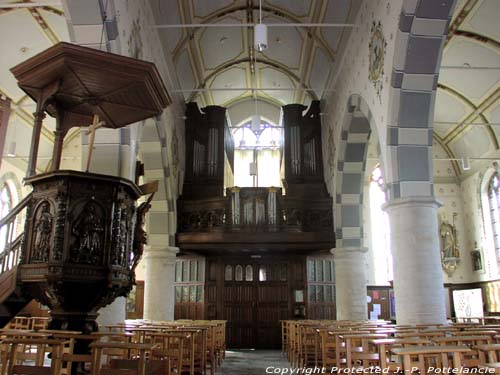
[261,146]
[249,273]
[6,203]
[494,203]
[228,273]
[380,231]
[238,273]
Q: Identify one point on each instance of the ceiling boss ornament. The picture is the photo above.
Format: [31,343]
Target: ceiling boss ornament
[377,48]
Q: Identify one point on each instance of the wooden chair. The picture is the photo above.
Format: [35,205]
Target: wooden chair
[170,349]
[16,364]
[80,360]
[471,358]
[122,366]
[423,358]
[309,346]
[488,353]
[384,347]
[39,323]
[20,322]
[359,353]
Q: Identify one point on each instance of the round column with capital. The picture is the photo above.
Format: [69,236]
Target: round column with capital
[159,292]
[350,283]
[418,276]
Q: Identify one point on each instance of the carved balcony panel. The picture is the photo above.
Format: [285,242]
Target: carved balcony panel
[255,217]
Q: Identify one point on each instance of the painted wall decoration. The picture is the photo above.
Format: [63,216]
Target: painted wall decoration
[377,48]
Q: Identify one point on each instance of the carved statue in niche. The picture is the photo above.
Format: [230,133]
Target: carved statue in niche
[89,230]
[43,233]
[449,247]
[450,256]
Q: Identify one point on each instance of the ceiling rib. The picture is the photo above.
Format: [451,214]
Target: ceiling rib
[36,4]
[478,38]
[477,112]
[449,152]
[250,89]
[464,12]
[259,61]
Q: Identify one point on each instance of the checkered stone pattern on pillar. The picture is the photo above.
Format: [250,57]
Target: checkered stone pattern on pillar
[351,167]
[423,27]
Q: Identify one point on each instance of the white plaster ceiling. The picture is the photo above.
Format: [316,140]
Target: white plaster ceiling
[212,51]
[230,78]
[469,84]
[299,8]
[273,78]
[219,45]
[24,32]
[474,84]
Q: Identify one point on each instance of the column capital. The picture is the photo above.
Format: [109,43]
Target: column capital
[156,252]
[410,202]
[40,115]
[347,251]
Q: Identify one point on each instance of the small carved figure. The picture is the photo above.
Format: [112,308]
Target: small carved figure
[123,237]
[140,235]
[43,232]
[88,229]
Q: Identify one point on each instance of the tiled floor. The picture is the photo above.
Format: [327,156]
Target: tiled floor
[252,362]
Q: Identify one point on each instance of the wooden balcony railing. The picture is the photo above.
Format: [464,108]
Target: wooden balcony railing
[11,240]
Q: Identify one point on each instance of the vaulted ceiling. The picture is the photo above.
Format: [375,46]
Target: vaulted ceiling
[210,61]
[467,112]
[24,32]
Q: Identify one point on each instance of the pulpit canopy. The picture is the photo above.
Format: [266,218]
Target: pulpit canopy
[81,81]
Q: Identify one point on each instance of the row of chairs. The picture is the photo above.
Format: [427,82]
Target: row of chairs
[30,323]
[348,344]
[154,348]
[204,341]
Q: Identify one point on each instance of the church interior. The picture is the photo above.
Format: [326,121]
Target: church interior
[232,178]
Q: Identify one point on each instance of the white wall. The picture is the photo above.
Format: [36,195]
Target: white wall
[460,197]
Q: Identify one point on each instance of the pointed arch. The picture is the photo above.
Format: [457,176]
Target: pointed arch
[351,165]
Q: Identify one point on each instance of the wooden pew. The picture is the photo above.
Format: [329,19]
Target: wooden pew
[422,358]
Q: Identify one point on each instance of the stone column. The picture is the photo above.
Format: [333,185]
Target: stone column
[350,283]
[418,276]
[112,314]
[159,293]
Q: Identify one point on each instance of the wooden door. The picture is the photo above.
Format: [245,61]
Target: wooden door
[253,295]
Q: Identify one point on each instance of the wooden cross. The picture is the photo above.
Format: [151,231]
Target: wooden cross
[96,124]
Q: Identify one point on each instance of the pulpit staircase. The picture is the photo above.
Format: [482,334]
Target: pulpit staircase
[11,299]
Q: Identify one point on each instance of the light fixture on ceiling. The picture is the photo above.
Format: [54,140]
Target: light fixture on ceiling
[260,37]
[260,32]
[255,124]
[12,149]
[465,163]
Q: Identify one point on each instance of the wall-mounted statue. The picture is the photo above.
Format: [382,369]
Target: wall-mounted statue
[450,255]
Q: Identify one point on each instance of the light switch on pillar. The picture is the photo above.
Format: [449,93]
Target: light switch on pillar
[418,276]
[350,283]
[159,292]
